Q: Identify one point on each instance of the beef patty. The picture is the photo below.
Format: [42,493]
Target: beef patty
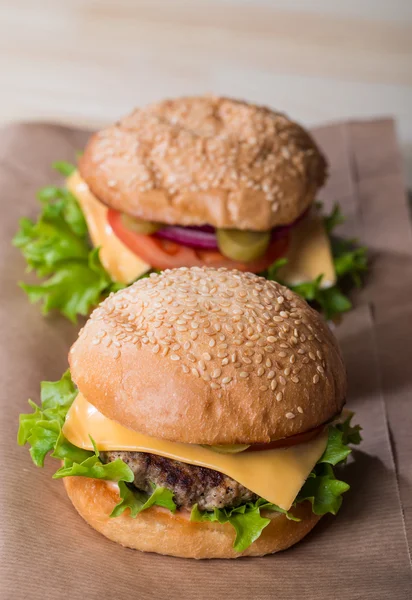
[190,484]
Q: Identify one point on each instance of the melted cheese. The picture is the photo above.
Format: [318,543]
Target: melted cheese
[120,262]
[309,254]
[276,475]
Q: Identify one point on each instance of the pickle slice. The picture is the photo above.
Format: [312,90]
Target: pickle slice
[228,449]
[139,226]
[242,245]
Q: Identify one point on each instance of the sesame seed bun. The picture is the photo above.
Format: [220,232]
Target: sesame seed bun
[211,357]
[158,530]
[205,160]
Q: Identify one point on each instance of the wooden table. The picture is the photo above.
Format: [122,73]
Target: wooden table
[88,62]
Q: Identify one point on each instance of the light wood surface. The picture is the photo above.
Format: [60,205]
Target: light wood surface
[89,61]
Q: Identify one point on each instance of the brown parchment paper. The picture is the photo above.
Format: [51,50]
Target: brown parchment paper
[48,552]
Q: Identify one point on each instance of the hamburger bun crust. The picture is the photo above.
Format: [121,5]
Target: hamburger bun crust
[205,160]
[210,357]
[158,530]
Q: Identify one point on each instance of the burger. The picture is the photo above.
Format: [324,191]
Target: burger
[203,181]
[201,416]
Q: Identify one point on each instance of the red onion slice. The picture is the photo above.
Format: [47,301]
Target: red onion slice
[189,236]
[204,237]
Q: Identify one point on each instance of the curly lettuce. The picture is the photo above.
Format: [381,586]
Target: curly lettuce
[350,263]
[56,247]
[246,520]
[42,430]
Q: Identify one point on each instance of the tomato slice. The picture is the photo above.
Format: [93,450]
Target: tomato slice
[163,254]
[299,438]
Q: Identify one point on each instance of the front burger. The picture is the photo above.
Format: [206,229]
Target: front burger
[201,181]
[201,417]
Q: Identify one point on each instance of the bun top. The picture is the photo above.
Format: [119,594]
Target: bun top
[205,160]
[209,356]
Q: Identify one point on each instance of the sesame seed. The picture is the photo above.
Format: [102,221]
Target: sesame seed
[315,378]
[184,313]
[290,415]
[300,410]
[279,396]
[226,380]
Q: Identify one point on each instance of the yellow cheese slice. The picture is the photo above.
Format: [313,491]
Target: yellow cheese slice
[276,475]
[120,262]
[309,254]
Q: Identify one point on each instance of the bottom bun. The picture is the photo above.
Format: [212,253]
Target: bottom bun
[159,530]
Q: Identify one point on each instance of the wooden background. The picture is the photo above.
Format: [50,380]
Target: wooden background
[89,61]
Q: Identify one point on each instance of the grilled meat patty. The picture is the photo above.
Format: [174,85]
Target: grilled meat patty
[190,484]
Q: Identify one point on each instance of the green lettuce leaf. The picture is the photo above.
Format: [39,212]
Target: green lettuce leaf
[64,167]
[57,246]
[350,261]
[42,429]
[75,288]
[350,264]
[246,520]
[137,501]
[334,219]
[322,488]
